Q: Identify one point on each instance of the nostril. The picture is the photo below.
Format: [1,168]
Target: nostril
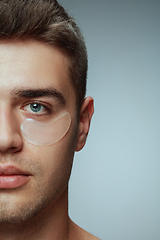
[10,139]
[13,149]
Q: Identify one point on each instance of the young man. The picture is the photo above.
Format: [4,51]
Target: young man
[44,118]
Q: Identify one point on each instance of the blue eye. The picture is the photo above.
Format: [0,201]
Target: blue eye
[35,107]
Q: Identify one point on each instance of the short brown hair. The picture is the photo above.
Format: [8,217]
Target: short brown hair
[48,22]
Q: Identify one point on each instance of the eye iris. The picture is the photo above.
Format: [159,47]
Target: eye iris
[35,107]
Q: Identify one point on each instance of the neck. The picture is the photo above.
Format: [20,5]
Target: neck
[51,224]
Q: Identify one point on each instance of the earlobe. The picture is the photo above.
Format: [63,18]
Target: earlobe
[86,113]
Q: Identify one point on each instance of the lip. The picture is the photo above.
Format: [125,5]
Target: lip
[13,177]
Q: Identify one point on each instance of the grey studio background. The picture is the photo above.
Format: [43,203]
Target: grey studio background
[115,183]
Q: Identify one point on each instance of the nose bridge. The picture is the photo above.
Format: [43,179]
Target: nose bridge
[6,118]
[9,129]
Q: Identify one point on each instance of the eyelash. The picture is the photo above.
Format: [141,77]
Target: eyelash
[47,107]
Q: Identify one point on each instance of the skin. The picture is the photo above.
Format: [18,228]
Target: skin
[39,208]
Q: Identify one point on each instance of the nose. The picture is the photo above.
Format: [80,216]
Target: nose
[10,138]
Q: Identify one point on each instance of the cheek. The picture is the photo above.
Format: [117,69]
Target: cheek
[55,161]
[57,164]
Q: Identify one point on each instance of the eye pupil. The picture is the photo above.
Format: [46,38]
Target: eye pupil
[35,107]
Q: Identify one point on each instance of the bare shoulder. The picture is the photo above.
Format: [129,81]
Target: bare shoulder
[78,233]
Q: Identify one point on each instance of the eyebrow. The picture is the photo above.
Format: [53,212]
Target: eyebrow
[38,92]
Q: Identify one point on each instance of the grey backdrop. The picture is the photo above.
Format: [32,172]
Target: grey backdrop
[115,183]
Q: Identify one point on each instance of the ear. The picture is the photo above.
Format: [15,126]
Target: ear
[86,113]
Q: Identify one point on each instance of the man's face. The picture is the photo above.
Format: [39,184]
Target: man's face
[42,172]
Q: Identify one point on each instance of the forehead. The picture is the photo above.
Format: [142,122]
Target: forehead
[31,64]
